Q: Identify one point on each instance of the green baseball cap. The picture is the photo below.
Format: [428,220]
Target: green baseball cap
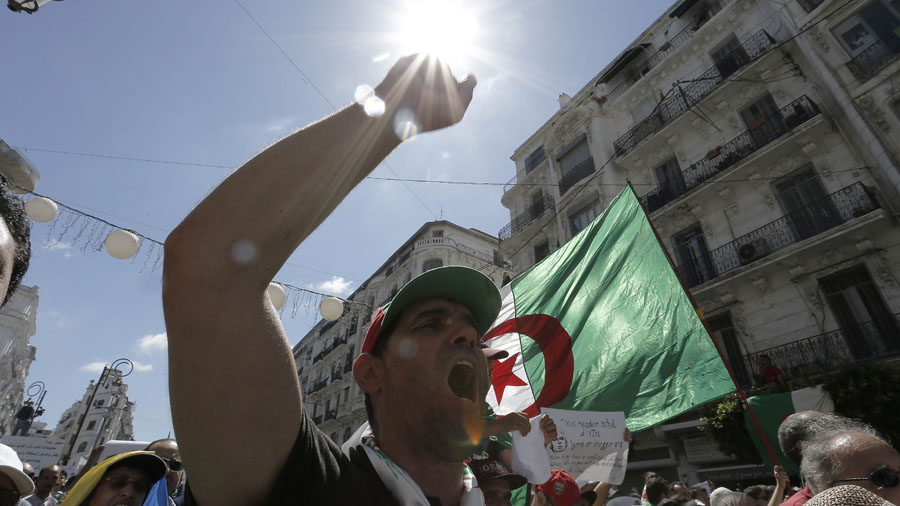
[462,285]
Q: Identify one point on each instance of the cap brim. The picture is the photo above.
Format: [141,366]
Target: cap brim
[21,480]
[462,285]
[148,461]
[515,480]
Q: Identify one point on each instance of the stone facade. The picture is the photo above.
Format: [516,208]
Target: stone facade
[325,355]
[765,151]
[17,325]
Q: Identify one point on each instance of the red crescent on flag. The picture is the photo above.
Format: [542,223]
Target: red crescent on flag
[555,344]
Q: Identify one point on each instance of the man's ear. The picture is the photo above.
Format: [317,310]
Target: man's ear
[368,370]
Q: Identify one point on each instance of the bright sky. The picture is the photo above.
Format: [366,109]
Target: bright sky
[200,82]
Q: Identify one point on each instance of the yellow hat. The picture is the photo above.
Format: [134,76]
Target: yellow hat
[147,461]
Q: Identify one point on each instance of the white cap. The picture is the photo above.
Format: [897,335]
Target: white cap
[11,466]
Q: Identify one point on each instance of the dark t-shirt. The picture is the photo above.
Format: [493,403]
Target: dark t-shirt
[25,413]
[318,472]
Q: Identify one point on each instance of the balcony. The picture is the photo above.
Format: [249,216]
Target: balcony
[876,57]
[533,212]
[576,174]
[810,5]
[874,339]
[348,365]
[316,386]
[840,207]
[330,347]
[331,414]
[722,157]
[668,109]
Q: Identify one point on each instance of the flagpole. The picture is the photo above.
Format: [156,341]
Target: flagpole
[741,393]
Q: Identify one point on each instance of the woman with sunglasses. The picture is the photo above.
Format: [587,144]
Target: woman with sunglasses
[124,479]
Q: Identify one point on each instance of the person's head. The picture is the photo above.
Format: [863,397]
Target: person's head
[29,402]
[123,479]
[669,502]
[560,490]
[495,482]
[700,494]
[420,365]
[28,469]
[46,480]
[167,449]
[588,496]
[657,489]
[765,361]
[680,491]
[852,458]
[758,495]
[15,242]
[14,483]
[806,425]
[724,497]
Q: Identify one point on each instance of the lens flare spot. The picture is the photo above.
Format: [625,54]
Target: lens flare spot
[407,348]
[373,106]
[405,125]
[244,252]
[363,92]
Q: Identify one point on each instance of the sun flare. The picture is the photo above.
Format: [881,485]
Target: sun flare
[444,28]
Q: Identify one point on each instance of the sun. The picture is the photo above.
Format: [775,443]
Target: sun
[444,28]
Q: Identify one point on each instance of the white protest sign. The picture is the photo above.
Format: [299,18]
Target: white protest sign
[37,451]
[590,445]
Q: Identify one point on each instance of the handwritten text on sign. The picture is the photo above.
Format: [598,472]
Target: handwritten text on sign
[590,445]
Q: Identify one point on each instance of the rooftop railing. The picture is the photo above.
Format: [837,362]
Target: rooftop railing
[526,217]
[750,50]
[802,223]
[722,157]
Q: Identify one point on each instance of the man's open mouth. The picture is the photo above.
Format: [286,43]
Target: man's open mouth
[461,381]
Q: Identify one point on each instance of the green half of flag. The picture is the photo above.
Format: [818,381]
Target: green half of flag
[605,325]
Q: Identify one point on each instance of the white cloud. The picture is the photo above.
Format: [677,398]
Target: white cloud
[93,367]
[282,125]
[153,342]
[335,286]
[381,57]
[56,244]
[139,367]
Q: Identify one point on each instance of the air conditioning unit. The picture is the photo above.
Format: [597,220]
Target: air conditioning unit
[753,251]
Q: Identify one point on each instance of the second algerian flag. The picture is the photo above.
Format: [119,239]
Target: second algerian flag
[603,324]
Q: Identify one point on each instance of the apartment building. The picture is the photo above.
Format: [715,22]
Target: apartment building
[762,139]
[325,355]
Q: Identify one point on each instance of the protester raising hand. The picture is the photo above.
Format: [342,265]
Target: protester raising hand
[781,481]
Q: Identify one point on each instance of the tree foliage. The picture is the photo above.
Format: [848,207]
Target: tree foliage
[868,391]
[725,423]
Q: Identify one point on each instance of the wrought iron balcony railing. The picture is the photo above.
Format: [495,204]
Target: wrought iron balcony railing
[879,338]
[530,214]
[802,223]
[876,57]
[576,174]
[331,414]
[317,385]
[750,50]
[722,157]
[348,366]
[810,5]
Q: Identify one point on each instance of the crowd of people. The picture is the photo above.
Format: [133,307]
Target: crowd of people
[421,366]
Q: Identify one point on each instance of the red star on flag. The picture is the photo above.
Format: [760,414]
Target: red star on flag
[502,377]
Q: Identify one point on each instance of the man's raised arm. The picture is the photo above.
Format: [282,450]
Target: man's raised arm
[234,389]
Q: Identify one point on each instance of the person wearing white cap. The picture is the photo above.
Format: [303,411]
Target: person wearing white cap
[14,483]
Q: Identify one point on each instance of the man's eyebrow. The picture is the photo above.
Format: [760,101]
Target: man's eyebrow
[440,311]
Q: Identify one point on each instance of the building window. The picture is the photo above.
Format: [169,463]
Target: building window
[723,332]
[671,179]
[334,436]
[100,402]
[541,251]
[82,447]
[346,394]
[437,233]
[866,322]
[573,157]
[805,203]
[730,56]
[696,266]
[431,263]
[871,37]
[91,425]
[584,216]
[535,159]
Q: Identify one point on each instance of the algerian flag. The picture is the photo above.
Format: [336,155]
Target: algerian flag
[603,324]
[772,409]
